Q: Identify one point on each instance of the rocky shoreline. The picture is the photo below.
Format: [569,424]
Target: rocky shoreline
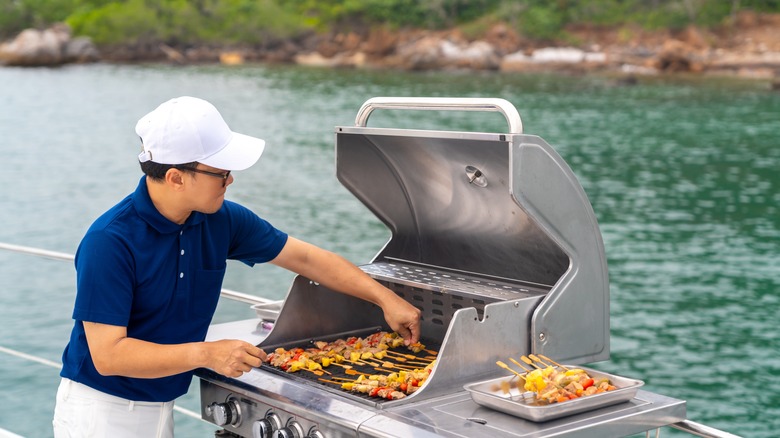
[749,47]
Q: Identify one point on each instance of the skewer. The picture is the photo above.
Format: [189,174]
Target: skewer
[329,381]
[355,373]
[421,347]
[342,378]
[400,367]
[411,356]
[536,359]
[520,365]
[346,367]
[407,356]
[398,358]
[553,362]
[362,362]
[506,367]
[413,363]
[317,372]
[530,362]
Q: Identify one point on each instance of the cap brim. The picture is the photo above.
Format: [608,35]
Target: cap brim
[240,153]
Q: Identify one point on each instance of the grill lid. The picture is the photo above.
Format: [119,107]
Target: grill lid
[497,205]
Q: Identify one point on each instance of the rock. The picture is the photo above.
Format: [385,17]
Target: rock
[231,58]
[172,54]
[380,42]
[551,56]
[478,55]
[676,56]
[48,47]
[81,50]
[503,38]
[567,55]
[435,52]
[695,38]
[420,54]
[756,72]
[633,69]
[315,59]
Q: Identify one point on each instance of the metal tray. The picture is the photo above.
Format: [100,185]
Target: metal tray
[268,311]
[521,403]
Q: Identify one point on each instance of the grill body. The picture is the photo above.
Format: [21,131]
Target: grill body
[494,240]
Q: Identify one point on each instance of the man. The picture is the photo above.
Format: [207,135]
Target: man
[150,270]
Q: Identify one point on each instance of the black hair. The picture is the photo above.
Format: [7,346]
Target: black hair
[157,171]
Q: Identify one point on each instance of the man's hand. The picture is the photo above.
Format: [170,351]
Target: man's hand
[338,274]
[403,318]
[115,354]
[233,358]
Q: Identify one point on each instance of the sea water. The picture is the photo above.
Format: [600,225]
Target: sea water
[683,174]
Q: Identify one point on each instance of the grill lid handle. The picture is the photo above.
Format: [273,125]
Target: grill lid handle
[443,104]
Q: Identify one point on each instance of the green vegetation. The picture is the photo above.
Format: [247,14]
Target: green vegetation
[182,21]
[190,22]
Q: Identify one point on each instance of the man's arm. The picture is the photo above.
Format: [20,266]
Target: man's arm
[338,274]
[115,354]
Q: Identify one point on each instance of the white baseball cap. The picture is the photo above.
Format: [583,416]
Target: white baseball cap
[187,129]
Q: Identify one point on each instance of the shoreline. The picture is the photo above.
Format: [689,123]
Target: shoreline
[747,48]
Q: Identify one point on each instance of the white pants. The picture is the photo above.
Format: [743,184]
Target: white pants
[85,412]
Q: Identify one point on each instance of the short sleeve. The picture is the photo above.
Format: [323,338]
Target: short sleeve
[104,280]
[253,239]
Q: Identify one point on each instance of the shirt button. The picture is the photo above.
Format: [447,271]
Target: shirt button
[181,232]
[182,252]
[181,275]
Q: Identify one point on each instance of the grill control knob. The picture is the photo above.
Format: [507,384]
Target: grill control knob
[292,430]
[314,433]
[225,414]
[265,428]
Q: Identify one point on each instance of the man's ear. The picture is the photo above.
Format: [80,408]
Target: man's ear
[174,178]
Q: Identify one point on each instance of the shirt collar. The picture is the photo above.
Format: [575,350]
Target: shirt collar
[148,212]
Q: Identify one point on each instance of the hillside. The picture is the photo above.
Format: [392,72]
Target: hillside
[748,46]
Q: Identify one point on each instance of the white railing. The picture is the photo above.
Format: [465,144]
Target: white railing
[226,293]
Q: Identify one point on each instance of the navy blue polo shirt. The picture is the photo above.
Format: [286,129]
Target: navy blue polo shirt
[161,280]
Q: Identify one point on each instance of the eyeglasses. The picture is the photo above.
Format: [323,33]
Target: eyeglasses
[223,176]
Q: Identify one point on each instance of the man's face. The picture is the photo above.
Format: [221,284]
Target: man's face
[208,186]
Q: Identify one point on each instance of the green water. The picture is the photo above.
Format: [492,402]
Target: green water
[682,174]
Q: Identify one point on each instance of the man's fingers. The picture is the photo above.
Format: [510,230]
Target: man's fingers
[254,356]
[414,329]
[405,333]
[412,333]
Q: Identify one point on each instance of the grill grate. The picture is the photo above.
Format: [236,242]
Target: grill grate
[440,294]
[336,371]
[438,281]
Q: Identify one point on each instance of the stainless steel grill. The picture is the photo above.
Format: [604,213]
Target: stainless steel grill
[495,241]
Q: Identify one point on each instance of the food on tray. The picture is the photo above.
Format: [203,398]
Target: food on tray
[557,384]
[552,385]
